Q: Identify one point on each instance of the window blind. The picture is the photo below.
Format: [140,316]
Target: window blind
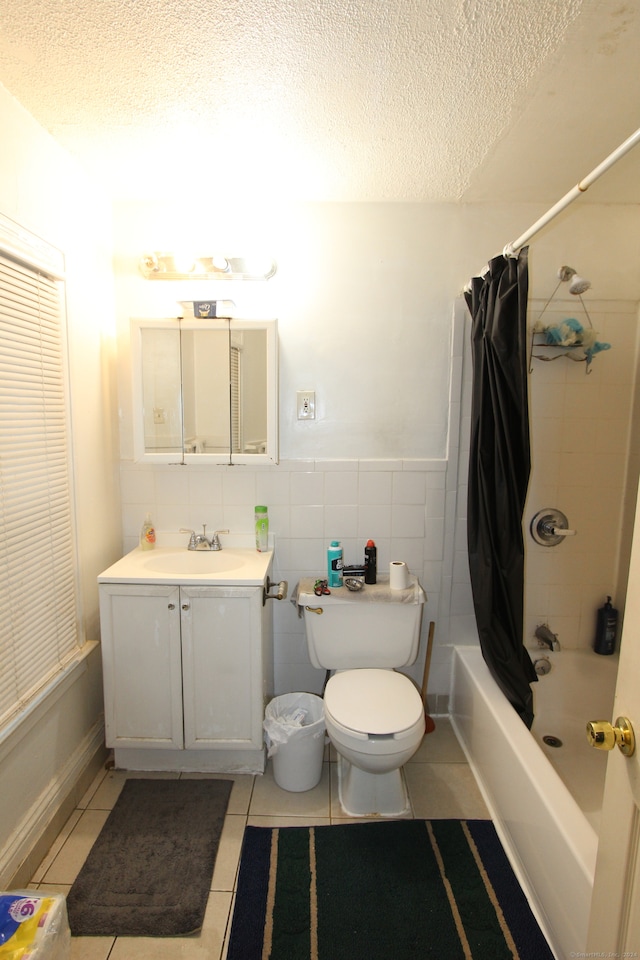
[236,420]
[38,594]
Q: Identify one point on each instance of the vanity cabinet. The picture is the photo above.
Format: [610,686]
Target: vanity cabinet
[187,672]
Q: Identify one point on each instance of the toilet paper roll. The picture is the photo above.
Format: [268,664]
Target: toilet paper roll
[398,575]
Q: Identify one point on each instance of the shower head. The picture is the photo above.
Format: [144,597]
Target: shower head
[578,285]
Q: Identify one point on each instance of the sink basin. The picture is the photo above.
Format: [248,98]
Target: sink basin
[195,561]
[235,565]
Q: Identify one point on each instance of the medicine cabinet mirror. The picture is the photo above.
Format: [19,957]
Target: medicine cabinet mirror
[205,391]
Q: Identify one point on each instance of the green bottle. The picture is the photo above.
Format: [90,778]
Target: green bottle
[262,529]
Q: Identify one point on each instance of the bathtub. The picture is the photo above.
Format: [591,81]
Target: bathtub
[545,801]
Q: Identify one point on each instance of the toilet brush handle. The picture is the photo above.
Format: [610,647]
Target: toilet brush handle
[427,663]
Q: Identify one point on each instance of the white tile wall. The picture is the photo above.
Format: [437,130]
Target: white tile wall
[399,504]
[582,434]
[415,510]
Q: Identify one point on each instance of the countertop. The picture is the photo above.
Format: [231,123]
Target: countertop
[177,565]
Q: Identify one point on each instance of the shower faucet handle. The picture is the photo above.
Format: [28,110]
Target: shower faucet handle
[549,527]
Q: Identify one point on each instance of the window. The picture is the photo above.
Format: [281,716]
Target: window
[38,595]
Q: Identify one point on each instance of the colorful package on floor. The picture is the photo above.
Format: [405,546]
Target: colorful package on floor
[33,927]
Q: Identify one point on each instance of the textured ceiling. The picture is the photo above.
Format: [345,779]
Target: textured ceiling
[435,100]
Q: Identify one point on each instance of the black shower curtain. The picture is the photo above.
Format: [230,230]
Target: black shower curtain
[499,465]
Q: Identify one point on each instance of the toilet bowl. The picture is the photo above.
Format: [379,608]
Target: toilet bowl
[374,715]
[375,720]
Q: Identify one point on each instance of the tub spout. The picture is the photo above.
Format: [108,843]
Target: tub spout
[545,638]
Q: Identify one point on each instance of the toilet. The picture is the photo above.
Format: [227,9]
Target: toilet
[374,715]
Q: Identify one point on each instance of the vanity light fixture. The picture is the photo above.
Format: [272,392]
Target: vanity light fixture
[165,266]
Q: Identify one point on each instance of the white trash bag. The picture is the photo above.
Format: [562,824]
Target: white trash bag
[294,731]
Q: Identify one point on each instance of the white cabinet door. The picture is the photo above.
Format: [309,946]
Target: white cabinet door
[222,667]
[142,665]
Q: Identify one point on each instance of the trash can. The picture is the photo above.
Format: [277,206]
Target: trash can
[294,734]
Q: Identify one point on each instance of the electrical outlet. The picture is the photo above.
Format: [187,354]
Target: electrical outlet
[306,404]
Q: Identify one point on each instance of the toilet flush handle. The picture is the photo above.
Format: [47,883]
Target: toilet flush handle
[314,609]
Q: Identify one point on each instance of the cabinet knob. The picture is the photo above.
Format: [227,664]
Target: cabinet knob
[172,606]
[185,606]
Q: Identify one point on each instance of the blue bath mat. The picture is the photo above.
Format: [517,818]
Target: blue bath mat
[391,890]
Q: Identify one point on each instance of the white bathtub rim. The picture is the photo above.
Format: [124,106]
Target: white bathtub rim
[562,916]
[581,837]
[517,864]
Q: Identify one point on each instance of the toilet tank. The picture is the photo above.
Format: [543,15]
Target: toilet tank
[377,627]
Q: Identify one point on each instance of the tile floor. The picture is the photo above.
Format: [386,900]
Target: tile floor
[440,785]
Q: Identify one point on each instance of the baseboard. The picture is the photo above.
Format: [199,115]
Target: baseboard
[32,839]
[191,761]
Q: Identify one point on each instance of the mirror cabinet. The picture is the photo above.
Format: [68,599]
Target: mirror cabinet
[205,391]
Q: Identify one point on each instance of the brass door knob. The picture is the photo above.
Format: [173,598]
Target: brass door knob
[603,736]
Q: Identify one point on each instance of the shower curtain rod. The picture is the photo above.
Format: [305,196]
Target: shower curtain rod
[511,249]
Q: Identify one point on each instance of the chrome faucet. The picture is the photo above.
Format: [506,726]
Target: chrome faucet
[545,638]
[200,541]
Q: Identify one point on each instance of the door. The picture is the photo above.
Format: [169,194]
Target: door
[614,928]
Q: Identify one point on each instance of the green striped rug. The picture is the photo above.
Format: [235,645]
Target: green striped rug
[388,890]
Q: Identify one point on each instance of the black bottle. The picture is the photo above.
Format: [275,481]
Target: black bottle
[606,630]
[370,562]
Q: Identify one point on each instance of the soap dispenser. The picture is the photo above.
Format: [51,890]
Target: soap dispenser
[147,534]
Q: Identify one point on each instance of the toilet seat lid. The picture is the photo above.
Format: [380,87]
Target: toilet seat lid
[373,701]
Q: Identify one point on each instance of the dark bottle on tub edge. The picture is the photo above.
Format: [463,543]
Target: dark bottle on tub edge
[370,562]
[606,629]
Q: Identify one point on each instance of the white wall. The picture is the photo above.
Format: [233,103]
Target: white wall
[365,298]
[45,192]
